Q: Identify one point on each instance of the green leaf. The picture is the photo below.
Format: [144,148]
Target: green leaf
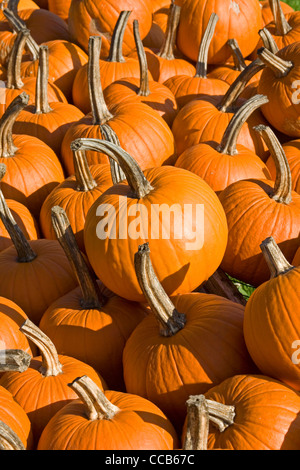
[245,289]
[293,3]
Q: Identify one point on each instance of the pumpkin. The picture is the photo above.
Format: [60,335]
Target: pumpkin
[22,5]
[46,121]
[169,355]
[278,83]
[159,4]
[185,88]
[267,13]
[266,414]
[206,118]
[49,375]
[156,36]
[60,8]
[143,90]
[138,128]
[234,23]
[26,158]
[108,421]
[15,418]
[296,260]
[113,68]
[100,19]
[292,153]
[271,326]
[41,265]
[262,208]
[85,323]
[223,163]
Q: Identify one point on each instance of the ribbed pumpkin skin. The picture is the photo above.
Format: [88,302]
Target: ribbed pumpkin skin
[141,132]
[240,19]
[50,393]
[25,221]
[35,285]
[140,425]
[281,94]
[76,203]
[168,370]
[253,216]
[99,17]
[292,152]
[183,268]
[49,127]
[201,121]
[267,14]
[60,8]
[23,5]
[267,415]
[162,69]
[7,39]
[96,337]
[293,19]
[32,173]
[13,415]
[220,170]
[65,59]
[272,325]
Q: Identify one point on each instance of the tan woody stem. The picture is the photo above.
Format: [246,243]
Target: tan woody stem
[201,66]
[83,173]
[170,320]
[18,25]
[9,439]
[15,59]
[280,67]
[91,295]
[117,174]
[282,26]
[239,62]
[116,45]
[167,49]
[96,404]
[282,192]
[41,92]
[231,134]
[50,362]
[139,185]
[7,147]
[274,257]
[144,75]
[25,253]
[14,360]
[268,40]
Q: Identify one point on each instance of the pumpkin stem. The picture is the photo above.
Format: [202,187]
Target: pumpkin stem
[200,412]
[268,40]
[282,192]
[231,134]
[280,67]
[23,248]
[144,89]
[83,174]
[7,147]
[14,360]
[116,45]
[100,111]
[139,185]
[117,174]
[238,86]
[239,61]
[274,257]
[201,66]
[9,439]
[167,49]
[170,319]
[41,91]
[282,26]
[51,366]
[15,59]
[95,401]
[91,295]
[17,24]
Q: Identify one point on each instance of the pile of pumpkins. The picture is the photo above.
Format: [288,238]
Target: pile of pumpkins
[109,108]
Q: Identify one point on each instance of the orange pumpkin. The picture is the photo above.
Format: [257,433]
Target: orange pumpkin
[60,8]
[292,152]
[108,421]
[267,13]
[296,260]
[156,36]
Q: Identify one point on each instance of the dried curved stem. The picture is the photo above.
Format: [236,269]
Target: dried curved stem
[268,40]
[167,49]
[91,295]
[231,134]
[144,89]
[282,192]
[15,59]
[18,25]
[25,253]
[201,66]
[170,320]
[139,185]
[41,91]
[83,174]
[280,67]
[239,61]
[117,174]
[116,45]
[14,360]
[100,111]
[96,404]
[7,147]
[50,362]
[274,257]
[282,26]
[9,439]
